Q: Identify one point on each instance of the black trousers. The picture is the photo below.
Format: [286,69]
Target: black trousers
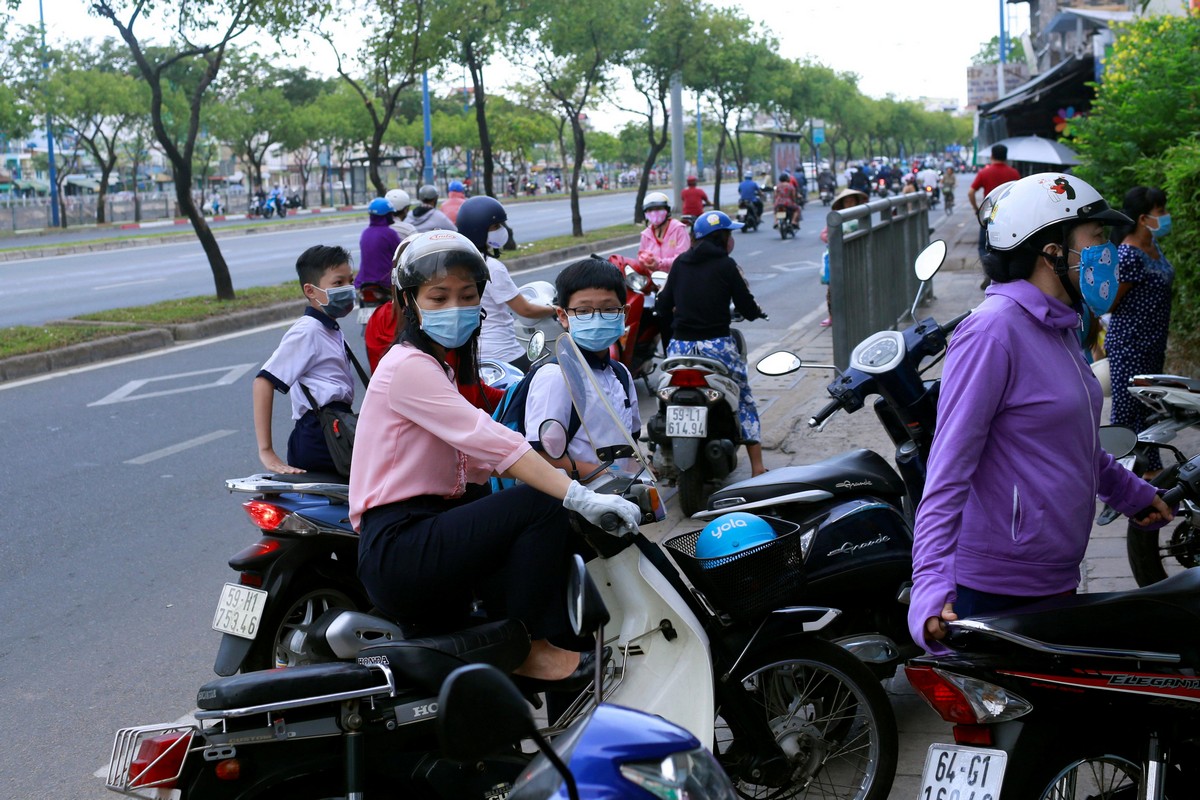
[306,445]
[426,560]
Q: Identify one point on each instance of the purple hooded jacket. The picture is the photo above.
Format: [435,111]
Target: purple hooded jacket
[1016,462]
[376,246]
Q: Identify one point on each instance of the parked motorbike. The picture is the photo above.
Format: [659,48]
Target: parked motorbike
[1035,695]
[294,200]
[785,709]
[1175,403]
[857,508]
[748,214]
[304,563]
[259,208]
[783,221]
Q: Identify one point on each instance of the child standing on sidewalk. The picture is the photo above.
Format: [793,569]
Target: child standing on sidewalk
[312,353]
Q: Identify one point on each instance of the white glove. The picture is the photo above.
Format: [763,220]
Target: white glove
[593,507]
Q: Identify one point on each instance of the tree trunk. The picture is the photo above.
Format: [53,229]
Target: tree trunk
[220,270]
[137,197]
[106,168]
[580,150]
[374,150]
[485,136]
[345,191]
[720,152]
[657,143]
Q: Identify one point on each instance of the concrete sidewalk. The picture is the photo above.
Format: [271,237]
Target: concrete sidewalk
[785,405]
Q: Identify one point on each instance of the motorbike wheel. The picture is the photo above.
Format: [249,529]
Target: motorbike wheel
[1107,776]
[301,608]
[1151,553]
[692,497]
[783,231]
[831,718]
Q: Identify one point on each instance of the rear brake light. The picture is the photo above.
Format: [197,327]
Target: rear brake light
[252,579]
[963,700]
[276,519]
[978,735]
[228,770]
[688,377]
[159,760]
[266,516]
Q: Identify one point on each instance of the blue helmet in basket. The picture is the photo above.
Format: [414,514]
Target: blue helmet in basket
[732,533]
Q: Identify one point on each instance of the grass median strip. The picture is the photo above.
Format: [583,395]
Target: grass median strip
[27,339]
[195,309]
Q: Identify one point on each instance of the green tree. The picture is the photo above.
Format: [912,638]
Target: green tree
[254,114]
[204,30]
[572,55]
[989,51]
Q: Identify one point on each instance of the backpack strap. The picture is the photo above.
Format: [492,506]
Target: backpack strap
[312,401]
[362,373]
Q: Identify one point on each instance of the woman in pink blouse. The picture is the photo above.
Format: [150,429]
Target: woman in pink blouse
[430,539]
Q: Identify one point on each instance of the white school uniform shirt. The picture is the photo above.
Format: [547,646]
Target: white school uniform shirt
[312,352]
[498,339]
[548,398]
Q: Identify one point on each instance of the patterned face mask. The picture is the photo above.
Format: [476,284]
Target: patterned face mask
[1098,276]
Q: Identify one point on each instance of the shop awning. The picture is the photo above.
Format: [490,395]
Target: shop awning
[87,184]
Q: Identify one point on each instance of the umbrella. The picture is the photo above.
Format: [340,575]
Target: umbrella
[1036,150]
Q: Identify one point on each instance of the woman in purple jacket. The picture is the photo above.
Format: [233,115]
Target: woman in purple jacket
[1016,463]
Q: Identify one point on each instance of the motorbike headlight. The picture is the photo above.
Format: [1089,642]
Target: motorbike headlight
[693,775]
[635,280]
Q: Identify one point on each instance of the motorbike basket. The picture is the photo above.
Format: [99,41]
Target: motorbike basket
[748,584]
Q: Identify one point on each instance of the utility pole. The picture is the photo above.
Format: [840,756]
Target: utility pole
[677,139]
[699,142]
[54,221]
[428,173]
[1003,55]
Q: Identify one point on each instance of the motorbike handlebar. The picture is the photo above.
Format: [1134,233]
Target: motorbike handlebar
[952,324]
[1174,496]
[610,522]
[824,413]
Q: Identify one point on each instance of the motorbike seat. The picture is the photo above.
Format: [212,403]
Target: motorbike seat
[853,473]
[280,685]
[426,662]
[1162,618]
[309,477]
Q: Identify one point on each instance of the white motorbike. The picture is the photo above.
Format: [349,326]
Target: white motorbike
[541,293]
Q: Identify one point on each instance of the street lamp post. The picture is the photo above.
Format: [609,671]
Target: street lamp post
[49,131]
[428,172]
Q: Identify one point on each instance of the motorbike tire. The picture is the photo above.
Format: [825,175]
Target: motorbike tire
[821,703]
[298,610]
[1150,552]
[783,231]
[692,496]
[1074,764]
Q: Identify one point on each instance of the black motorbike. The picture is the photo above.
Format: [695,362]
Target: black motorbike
[750,214]
[295,201]
[859,509]
[1081,696]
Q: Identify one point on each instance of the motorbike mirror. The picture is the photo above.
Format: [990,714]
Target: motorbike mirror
[1117,441]
[481,712]
[537,343]
[585,607]
[553,437]
[659,277]
[929,260]
[781,362]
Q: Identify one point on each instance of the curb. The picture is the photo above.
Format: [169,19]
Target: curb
[75,355]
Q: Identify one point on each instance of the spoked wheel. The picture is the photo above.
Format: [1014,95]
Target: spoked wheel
[1153,555]
[299,613]
[1106,777]
[831,719]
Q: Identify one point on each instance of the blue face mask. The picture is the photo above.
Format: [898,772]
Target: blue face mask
[596,334]
[1164,226]
[450,327]
[339,301]
[1098,280]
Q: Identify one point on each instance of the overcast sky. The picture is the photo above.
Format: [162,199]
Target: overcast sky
[908,48]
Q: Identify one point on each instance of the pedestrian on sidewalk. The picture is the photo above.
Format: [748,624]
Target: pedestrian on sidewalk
[994,174]
[1136,341]
[1016,462]
[845,199]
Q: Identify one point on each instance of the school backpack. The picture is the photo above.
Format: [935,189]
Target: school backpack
[510,411]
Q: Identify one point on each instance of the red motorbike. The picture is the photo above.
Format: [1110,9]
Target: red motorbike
[642,341]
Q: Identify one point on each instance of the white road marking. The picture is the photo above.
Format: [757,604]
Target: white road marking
[179,448]
[127,283]
[228,375]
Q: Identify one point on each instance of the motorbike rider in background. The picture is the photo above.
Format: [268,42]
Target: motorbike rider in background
[664,237]
[426,217]
[456,194]
[694,311]
[750,192]
[785,198]
[694,199]
[482,221]
[1016,462]
[377,244]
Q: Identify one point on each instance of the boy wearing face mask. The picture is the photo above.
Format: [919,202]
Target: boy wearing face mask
[312,353]
[591,307]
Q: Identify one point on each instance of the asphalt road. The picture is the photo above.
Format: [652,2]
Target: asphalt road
[37,290]
[116,523]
